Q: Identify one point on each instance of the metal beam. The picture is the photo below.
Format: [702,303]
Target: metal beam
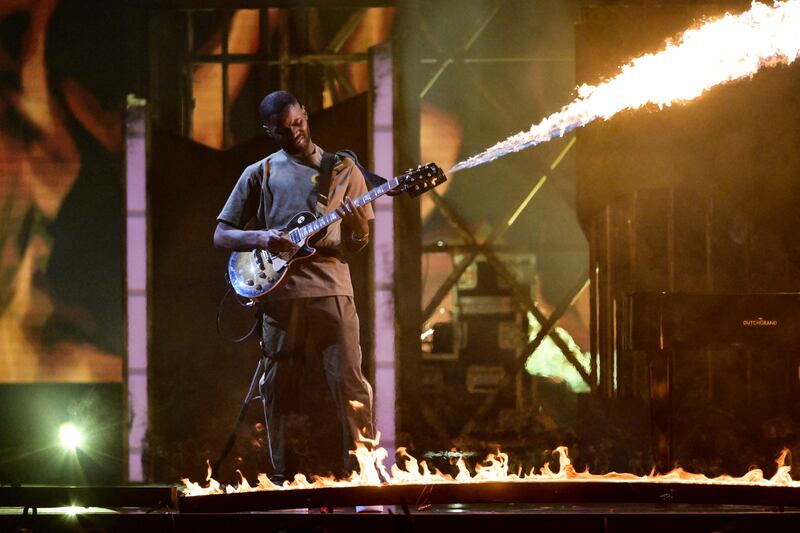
[264,59]
[519,362]
[470,41]
[207,5]
[284,47]
[478,60]
[226,108]
[448,284]
[455,220]
[520,294]
[345,31]
[384,265]
[460,225]
[335,45]
[464,248]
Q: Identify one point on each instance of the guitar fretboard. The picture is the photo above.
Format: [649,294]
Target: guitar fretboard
[297,235]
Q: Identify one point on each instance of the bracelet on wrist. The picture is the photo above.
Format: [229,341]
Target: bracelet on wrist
[358,238]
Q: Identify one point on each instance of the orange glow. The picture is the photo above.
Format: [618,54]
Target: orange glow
[207,78]
[375,28]
[440,135]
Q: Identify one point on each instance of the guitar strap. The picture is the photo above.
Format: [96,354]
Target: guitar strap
[266,194]
[324,180]
[323,183]
[373,180]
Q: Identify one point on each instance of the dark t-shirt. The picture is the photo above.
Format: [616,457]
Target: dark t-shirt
[291,187]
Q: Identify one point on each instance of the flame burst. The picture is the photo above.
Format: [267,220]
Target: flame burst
[494,468]
[722,50]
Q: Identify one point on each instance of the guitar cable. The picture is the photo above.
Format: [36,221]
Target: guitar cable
[249,398]
[220,307]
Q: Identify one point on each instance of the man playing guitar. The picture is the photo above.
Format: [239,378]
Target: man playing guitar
[311,312]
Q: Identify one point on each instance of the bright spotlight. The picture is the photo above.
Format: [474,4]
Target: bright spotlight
[70,436]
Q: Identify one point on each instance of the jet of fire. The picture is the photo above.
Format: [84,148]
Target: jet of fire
[719,51]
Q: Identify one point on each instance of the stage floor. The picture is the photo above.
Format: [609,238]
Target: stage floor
[552,517]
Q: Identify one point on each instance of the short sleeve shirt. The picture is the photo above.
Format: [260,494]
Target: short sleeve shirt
[290,187]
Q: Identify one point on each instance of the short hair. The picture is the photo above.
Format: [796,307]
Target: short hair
[274,103]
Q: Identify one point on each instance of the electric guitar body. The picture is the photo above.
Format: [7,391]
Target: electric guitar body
[255,273]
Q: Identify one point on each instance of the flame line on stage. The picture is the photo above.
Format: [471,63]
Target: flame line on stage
[553,491]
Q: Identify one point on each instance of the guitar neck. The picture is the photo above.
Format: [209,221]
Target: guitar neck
[324,221]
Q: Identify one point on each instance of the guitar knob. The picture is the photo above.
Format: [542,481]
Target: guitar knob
[258,287]
[262,275]
[251,282]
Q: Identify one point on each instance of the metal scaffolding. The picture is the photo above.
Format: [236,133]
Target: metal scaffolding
[445,58]
[317,68]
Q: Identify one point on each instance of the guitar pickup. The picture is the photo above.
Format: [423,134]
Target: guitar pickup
[260,255]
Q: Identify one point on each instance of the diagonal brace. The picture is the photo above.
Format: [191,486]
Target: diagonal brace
[470,41]
[520,294]
[461,226]
[519,362]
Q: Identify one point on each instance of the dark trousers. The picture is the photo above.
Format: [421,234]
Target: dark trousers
[293,331]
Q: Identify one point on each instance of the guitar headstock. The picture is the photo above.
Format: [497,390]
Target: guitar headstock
[421,179]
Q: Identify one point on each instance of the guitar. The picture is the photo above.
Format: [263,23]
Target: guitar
[254,273]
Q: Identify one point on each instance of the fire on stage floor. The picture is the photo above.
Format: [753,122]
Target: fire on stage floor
[585,506]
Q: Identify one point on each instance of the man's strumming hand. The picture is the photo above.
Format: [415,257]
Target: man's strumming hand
[274,241]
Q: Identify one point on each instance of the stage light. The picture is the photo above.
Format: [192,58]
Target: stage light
[70,436]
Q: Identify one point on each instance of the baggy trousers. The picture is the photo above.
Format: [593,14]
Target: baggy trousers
[329,326]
